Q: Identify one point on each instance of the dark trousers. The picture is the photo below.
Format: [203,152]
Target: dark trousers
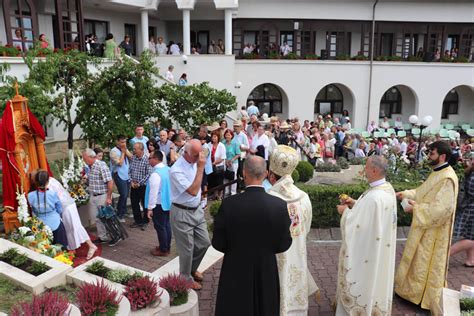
[161,222]
[59,235]
[123,188]
[137,197]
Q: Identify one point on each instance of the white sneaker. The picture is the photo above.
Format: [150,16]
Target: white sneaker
[204,203]
[122,220]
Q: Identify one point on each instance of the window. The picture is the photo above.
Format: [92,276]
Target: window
[21,23]
[288,37]
[267,98]
[68,25]
[338,43]
[450,104]
[329,100]
[391,103]
[98,28]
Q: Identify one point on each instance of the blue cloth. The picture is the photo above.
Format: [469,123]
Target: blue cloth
[122,170]
[232,149]
[49,213]
[165,188]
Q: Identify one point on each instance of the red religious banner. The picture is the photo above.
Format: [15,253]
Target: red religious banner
[21,151]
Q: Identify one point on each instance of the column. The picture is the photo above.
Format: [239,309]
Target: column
[228,31]
[144,25]
[186,32]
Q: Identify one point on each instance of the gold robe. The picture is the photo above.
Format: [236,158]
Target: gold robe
[422,272]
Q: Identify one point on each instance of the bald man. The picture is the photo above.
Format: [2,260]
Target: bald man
[188,224]
[367,256]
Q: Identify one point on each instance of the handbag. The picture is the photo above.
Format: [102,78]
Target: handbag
[217,170]
[229,174]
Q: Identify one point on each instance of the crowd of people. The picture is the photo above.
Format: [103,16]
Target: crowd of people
[169,176]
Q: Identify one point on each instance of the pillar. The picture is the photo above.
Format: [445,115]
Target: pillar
[228,31]
[144,25]
[186,32]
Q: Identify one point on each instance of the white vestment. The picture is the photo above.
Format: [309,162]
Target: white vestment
[367,256]
[296,282]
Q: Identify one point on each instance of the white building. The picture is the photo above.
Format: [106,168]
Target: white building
[302,87]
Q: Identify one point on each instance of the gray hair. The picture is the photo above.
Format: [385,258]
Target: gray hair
[255,167]
[140,145]
[379,163]
[89,152]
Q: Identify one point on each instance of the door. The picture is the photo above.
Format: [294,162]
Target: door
[202,41]
[131,30]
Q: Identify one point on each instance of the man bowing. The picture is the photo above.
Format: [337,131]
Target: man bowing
[250,228]
[367,255]
[296,282]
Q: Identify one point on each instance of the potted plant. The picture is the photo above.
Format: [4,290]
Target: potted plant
[183,300]
[273,55]
[292,56]
[311,57]
[342,57]
[48,303]
[394,58]
[144,296]
[360,57]
[381,58]
[415,58]
[99,299]
[461,59]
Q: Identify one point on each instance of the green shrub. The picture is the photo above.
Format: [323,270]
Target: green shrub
[467,304]
[121,276]
[19,260]
[343,57]
[343,163]
[357,161]
[311,57]
[291,56]
[98,268]
[9,254]
[394,58]
[305,170]
[327,167]
[461,59]
[415,58]
[325,198]
[381,58]
[273,55]
[360,57]
[296,176]
[214,208]
[446,59]
[37,268]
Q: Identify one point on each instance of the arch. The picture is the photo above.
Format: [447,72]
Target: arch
[269,98]
[333,99]
[398,101]
[458,105]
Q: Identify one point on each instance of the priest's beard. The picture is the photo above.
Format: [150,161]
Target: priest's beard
[434,162]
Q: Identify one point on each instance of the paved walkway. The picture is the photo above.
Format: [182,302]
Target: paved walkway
[323,250]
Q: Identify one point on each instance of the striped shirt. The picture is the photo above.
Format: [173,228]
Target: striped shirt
[99,176]
[139,169]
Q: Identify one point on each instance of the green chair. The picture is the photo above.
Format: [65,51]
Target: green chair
[378,134]
[415,131]
[434,131]
[449,126]
[391,131]
[407,126]
[401,134]
[444,133]
[470,132]
[452,135]
[466,127]
[365,134]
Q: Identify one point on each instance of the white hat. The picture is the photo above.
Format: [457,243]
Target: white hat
[214,126]
[284,160]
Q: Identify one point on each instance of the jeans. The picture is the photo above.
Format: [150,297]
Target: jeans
[123,187]
[161,222]
[137,196]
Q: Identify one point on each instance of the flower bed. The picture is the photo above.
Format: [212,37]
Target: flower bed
[116,275]
[183,299]
[56,275]
[21,261]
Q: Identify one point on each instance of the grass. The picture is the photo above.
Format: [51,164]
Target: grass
[68,290]
[11,294]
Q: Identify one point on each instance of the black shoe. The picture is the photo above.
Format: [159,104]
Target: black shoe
[114,242]
[100,241]
[144,227]
[135,225]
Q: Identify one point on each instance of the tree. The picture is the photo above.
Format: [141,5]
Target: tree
[196,104]
[120,97]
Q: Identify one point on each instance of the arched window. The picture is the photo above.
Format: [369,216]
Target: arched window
[450,104]
[329,100]
[267,98]
[391,103]
[21,23]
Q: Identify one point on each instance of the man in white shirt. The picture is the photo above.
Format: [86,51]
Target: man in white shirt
[152,45]
[248,49]
[385,124]
[174,49]
[158,203]
[393,141]
[285,49]
[187,216]
[169,74]
[252,109]
[403,147]
[161,48]
[260,139]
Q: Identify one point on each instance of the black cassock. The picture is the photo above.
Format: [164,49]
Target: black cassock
[250,229]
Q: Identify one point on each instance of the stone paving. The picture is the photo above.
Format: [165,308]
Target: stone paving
[323,250]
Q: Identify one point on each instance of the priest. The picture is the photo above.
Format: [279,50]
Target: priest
[367,255]
[422,272]
[296,282]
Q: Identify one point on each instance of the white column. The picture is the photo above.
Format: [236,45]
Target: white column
[186,32]
[144,24]
[228,31]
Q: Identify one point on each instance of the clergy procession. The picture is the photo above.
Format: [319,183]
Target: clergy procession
[267,263]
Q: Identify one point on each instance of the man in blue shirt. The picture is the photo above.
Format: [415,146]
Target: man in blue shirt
[119,165]
[252,109]
[139,137]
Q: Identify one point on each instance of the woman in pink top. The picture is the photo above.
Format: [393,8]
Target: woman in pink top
[42,41]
